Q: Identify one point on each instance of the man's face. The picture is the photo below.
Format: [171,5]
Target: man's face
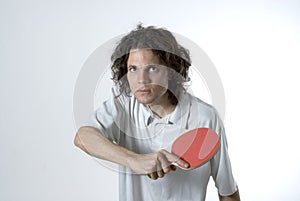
[147,77]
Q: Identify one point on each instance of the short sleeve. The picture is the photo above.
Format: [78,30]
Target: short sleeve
[105,117]
[220,164]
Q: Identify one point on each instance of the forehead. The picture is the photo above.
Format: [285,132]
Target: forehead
[140,57]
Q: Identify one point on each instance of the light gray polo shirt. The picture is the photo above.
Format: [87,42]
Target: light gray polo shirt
[132,125]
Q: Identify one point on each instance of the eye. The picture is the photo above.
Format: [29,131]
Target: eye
[131,68]
[153,68]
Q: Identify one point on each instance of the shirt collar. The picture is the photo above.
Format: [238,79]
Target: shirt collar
[179,116]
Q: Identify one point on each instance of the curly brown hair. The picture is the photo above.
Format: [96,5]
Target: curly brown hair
[164,45]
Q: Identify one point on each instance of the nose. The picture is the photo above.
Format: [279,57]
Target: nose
[143,77]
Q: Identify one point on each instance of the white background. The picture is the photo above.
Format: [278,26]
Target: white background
[254,45]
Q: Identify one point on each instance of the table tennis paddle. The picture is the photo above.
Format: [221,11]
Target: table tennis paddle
[196,146]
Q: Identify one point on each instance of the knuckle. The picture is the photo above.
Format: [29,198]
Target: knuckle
[160,174]
[166,170]
[162,151]
[160,154]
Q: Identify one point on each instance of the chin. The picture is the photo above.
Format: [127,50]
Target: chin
[144,101]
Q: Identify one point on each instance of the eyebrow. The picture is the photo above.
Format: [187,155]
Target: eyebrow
[131,66]
[147,66]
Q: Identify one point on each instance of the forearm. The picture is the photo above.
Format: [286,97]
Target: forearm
[95,144]
[234,197]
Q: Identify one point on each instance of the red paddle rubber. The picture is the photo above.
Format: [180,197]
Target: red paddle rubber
[196,146]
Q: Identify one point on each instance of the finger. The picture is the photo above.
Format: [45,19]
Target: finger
[160,173]
[173,167]
[153,175]
[165,164]
[159,170]
[167,169]
[176,159]
[181,163]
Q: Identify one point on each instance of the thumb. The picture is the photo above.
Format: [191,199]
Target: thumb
[181,163]
[174,159]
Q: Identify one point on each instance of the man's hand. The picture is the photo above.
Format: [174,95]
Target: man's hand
[155,165]
[234,197]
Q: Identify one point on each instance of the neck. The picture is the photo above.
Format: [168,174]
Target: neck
[163,108]
[160,111]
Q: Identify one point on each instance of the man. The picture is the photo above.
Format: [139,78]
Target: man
[148,110]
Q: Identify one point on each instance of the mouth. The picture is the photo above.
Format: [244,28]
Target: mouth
[144,91]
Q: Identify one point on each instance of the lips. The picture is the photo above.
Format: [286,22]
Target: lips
[144,91]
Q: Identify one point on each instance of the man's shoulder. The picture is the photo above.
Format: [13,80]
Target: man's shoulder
[196,102]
